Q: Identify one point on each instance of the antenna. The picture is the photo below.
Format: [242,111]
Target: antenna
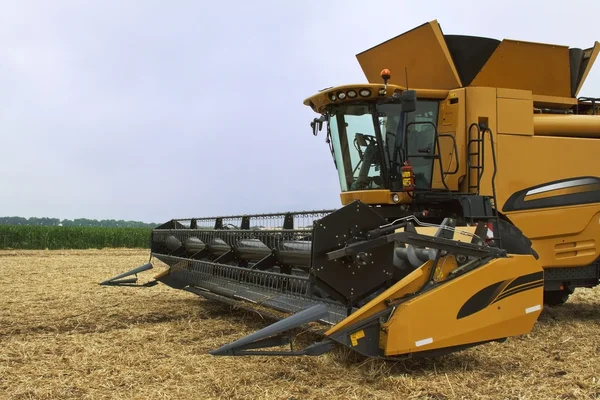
[406,75]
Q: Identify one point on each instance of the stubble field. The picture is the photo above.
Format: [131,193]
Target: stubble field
[64,337]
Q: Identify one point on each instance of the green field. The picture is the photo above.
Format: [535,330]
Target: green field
[70,237]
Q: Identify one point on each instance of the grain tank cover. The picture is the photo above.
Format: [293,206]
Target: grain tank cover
[434,60]
[422,50]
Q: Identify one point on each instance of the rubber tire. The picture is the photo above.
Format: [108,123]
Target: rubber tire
[556,297]
[514,241]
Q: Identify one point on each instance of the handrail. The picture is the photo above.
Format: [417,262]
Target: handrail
[455,153]
[437,144]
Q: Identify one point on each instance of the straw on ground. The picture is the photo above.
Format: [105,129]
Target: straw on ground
[63,336]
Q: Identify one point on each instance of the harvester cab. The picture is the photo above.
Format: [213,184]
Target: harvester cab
[422,257]
[381,138]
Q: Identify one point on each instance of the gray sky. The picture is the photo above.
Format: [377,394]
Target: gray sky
[150,110]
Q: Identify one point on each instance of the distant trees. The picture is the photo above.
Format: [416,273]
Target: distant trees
[79,222]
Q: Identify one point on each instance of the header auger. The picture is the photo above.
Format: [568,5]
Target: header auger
[456,224]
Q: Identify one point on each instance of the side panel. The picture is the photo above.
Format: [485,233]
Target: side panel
[563,237]
[515,112]
[549,188]
[450,121]
[542,68]
[373,196]
[498,300]
[421,53]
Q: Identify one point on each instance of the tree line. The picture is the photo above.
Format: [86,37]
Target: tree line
[79,222]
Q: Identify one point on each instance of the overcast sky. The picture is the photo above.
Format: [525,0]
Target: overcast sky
[151,110]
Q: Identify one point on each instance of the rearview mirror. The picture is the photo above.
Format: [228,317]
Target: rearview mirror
[408,99]
[317,124]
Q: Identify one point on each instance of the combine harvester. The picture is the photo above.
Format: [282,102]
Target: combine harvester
[470,198]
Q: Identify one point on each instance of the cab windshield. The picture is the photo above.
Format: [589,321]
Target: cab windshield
[363,142]
[357,147]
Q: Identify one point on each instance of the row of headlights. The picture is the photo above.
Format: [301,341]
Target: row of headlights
[351,94]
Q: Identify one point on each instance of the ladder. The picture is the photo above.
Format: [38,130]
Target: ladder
[475,165]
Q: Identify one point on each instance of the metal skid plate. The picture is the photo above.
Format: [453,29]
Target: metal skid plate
[123,280]
[353,277]
[271,336]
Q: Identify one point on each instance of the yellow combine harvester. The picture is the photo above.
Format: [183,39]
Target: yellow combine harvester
[470,196]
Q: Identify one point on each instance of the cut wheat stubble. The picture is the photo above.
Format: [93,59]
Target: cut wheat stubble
[63,336]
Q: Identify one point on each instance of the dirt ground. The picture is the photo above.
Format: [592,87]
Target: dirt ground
[64,337]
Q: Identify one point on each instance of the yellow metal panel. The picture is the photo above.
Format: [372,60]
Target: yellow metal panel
[514,312]
[422,51]
[542,68]
[515,116]
[383,196]
[593,53]
[437,30]
[513,94]
[505,312]
[569,241]
[527,161]
[584,248]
